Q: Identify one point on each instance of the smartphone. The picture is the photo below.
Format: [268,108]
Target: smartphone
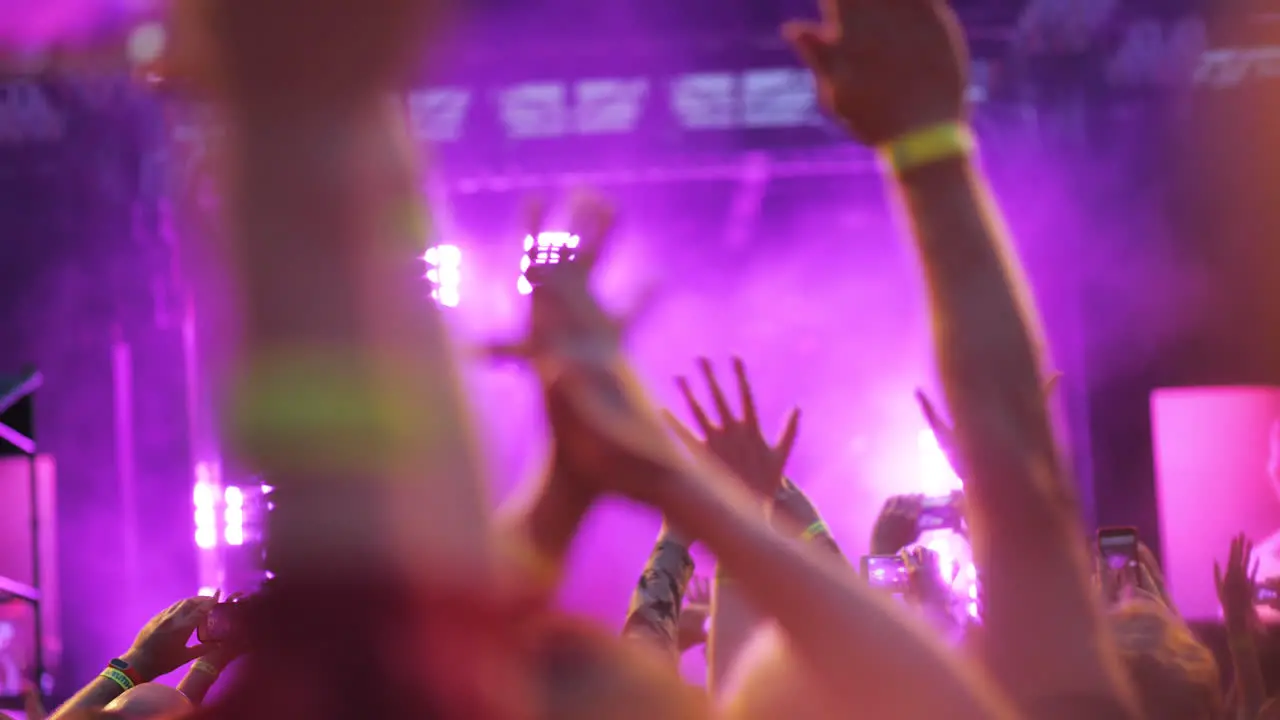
[885,572]
[224,623]
[1118,547]
[1263,595]
[940,512]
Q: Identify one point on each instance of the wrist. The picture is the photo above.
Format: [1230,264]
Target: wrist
[671,535]
[927,145]
[140,664]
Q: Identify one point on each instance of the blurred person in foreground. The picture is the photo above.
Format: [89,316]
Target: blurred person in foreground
[381,521]
[1022,512]
[1176,676]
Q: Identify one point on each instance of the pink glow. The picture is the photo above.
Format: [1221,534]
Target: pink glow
[936,475]
[1212,450]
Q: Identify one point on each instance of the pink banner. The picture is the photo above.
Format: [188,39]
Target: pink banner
[1217,474]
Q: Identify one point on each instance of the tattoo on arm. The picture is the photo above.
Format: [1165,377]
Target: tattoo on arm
[654,614]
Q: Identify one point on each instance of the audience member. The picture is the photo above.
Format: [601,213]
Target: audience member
[349,402]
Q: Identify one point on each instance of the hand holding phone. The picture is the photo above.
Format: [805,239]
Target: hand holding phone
[886,572]
[225,624]
[1118,550]
[942,512]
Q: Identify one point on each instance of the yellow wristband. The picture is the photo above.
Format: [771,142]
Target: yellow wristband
[542,571]
[206,667]
[118,678]
[927,146]
[814,530]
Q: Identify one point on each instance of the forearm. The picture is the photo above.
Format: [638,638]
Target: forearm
[653,617]
[796,516]
[94,696]
[325,227]
[1251,690]
[1021,507]
[196,685]
[733,622]
[546,519]
[101,690]
[986,333]
[856,643]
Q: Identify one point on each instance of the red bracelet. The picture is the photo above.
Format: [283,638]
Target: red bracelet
[128,670]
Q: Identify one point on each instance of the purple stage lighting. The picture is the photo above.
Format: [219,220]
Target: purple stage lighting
[936,475]
[548,248]
[206,517]
[233,516]
[444,272]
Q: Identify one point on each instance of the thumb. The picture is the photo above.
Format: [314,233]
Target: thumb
[640,308]
[504,351]
[813,49]
[682,432]
[196,651]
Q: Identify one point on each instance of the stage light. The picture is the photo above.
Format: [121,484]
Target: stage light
[233,516]
[936,475]
[207,592]
[444,272]
[202,496]
[146,43]
[548,248]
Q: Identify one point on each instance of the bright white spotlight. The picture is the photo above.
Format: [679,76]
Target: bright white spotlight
[146,43]
[936,474]
[548,248]
[444,272]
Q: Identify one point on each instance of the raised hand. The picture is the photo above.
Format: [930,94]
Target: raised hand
[606,433]
[886,67]
[898,524]
[1237,583]
[299,51]
[698,592]
[694,613]
[926,586]
[945,434]
[567,323]
[161,645]
[738,442]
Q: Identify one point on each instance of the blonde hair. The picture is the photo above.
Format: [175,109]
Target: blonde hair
[587,674]
[768,683]
[1175,674]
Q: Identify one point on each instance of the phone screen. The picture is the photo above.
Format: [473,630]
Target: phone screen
[940,512]
[221,624]
[1118,548]
[885,572]
[1263,595]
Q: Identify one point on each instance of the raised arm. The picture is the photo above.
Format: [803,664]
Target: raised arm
[757,464]
[537,527]
[864,652]
[901,87]
[160,648]
[1236,585]
[653,617]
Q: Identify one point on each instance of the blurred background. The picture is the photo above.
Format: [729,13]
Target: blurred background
[1130,141]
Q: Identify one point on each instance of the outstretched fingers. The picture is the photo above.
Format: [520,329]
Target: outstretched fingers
[940,428]
[593,221]
[749,416]
[695,409]
[787,441]
[810,43]
[717,395]
[681,431]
